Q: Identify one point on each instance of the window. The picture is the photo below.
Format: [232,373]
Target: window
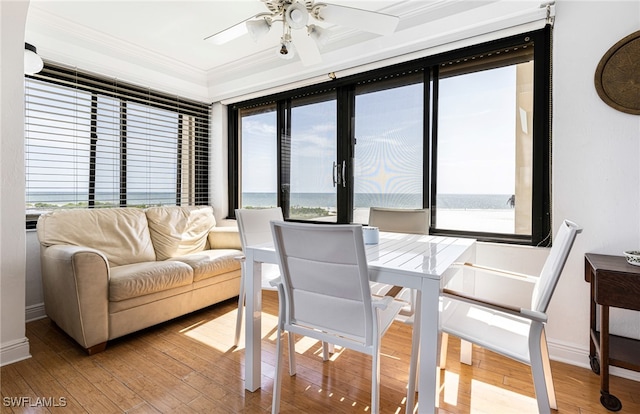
[484,140]
[389,149]
[259,156]
[93,142]
[465,133]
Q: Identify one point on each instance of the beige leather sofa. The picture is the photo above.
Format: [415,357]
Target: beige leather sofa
[110,272]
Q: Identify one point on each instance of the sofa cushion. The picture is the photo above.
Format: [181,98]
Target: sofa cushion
[224,238]
[121,234]
[209,263]
[176,231]
[140,279]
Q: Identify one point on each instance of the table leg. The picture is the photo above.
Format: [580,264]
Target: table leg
[429,321]
[609,401]
[604,349]
[593,352]
[253,323]
[415,356]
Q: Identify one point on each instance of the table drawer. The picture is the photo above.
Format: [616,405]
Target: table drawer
[618,289]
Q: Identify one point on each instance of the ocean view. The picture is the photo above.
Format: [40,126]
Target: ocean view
[320,200]
[328,201]
[479,212]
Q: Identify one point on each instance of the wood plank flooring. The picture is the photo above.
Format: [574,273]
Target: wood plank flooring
[188,365]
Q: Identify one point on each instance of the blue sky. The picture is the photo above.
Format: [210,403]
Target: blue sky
[476,140]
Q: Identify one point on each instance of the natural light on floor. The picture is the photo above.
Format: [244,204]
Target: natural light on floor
[484,397]
[218,333]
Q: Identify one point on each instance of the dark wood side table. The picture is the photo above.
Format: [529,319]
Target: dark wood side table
[614,283]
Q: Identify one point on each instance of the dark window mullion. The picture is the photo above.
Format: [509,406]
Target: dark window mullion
[434,144]
[284,155]
[233,159]
[427,83]
[541,188]
[346,151]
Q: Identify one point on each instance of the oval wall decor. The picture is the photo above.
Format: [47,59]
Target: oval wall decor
[617,78]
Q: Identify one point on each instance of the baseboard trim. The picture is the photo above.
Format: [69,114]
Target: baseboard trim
[35,312]
[575,355]
[14,351]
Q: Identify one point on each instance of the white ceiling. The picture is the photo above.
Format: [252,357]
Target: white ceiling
[160,44]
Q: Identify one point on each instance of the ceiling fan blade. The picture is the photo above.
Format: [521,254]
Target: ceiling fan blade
[369,21]
[229,33]
[306,48]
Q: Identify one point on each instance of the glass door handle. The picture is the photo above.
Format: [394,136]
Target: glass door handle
[344,173]
[335,170]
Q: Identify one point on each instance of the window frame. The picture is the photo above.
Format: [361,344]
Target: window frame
[541,175]
[123,93]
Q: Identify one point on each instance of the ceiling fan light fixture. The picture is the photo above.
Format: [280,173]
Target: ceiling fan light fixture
[32,61]
[286,50]
[296,16]
[258,28]
[319,34]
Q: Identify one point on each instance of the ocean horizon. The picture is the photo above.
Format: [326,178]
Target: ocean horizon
[395,200]
[318,200]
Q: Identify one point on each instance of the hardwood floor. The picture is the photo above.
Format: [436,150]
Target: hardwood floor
[189,366]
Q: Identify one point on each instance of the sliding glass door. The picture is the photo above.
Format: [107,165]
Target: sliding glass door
[389,150]
[310,173]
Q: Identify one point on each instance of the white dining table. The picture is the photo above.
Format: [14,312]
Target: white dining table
[425,263]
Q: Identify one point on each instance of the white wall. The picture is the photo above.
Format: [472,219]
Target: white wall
[596,173]
[596,176]
[14,345]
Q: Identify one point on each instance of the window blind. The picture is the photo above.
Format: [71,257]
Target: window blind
[94,142]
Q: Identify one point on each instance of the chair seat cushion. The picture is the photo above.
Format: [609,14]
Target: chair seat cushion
[130,281]
[210,263]
[487,328]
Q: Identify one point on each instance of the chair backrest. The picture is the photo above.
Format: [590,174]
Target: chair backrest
[399,220]
[550,274]
[325,278]
[254,224]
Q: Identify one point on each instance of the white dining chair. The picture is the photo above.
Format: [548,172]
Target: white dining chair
[326,295]
[514,332]
[401,220]
[254,228]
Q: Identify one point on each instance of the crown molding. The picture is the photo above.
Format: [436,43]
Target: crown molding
[67,42]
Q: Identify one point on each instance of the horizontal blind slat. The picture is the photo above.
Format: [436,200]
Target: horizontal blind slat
[98,142]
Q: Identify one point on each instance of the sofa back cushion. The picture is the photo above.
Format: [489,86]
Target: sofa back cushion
[176,231]
[121,234]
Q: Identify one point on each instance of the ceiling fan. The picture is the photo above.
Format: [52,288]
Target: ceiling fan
[297,27]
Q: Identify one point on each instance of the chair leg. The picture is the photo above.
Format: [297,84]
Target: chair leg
[241,299]
[375,380]
[325,351]
[546,365]
[277,377]
[466,352]
[412,301]
[538,368]
[444,343]
[292,354]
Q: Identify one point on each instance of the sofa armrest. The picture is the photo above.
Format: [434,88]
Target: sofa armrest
[225,238]
[75,282]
